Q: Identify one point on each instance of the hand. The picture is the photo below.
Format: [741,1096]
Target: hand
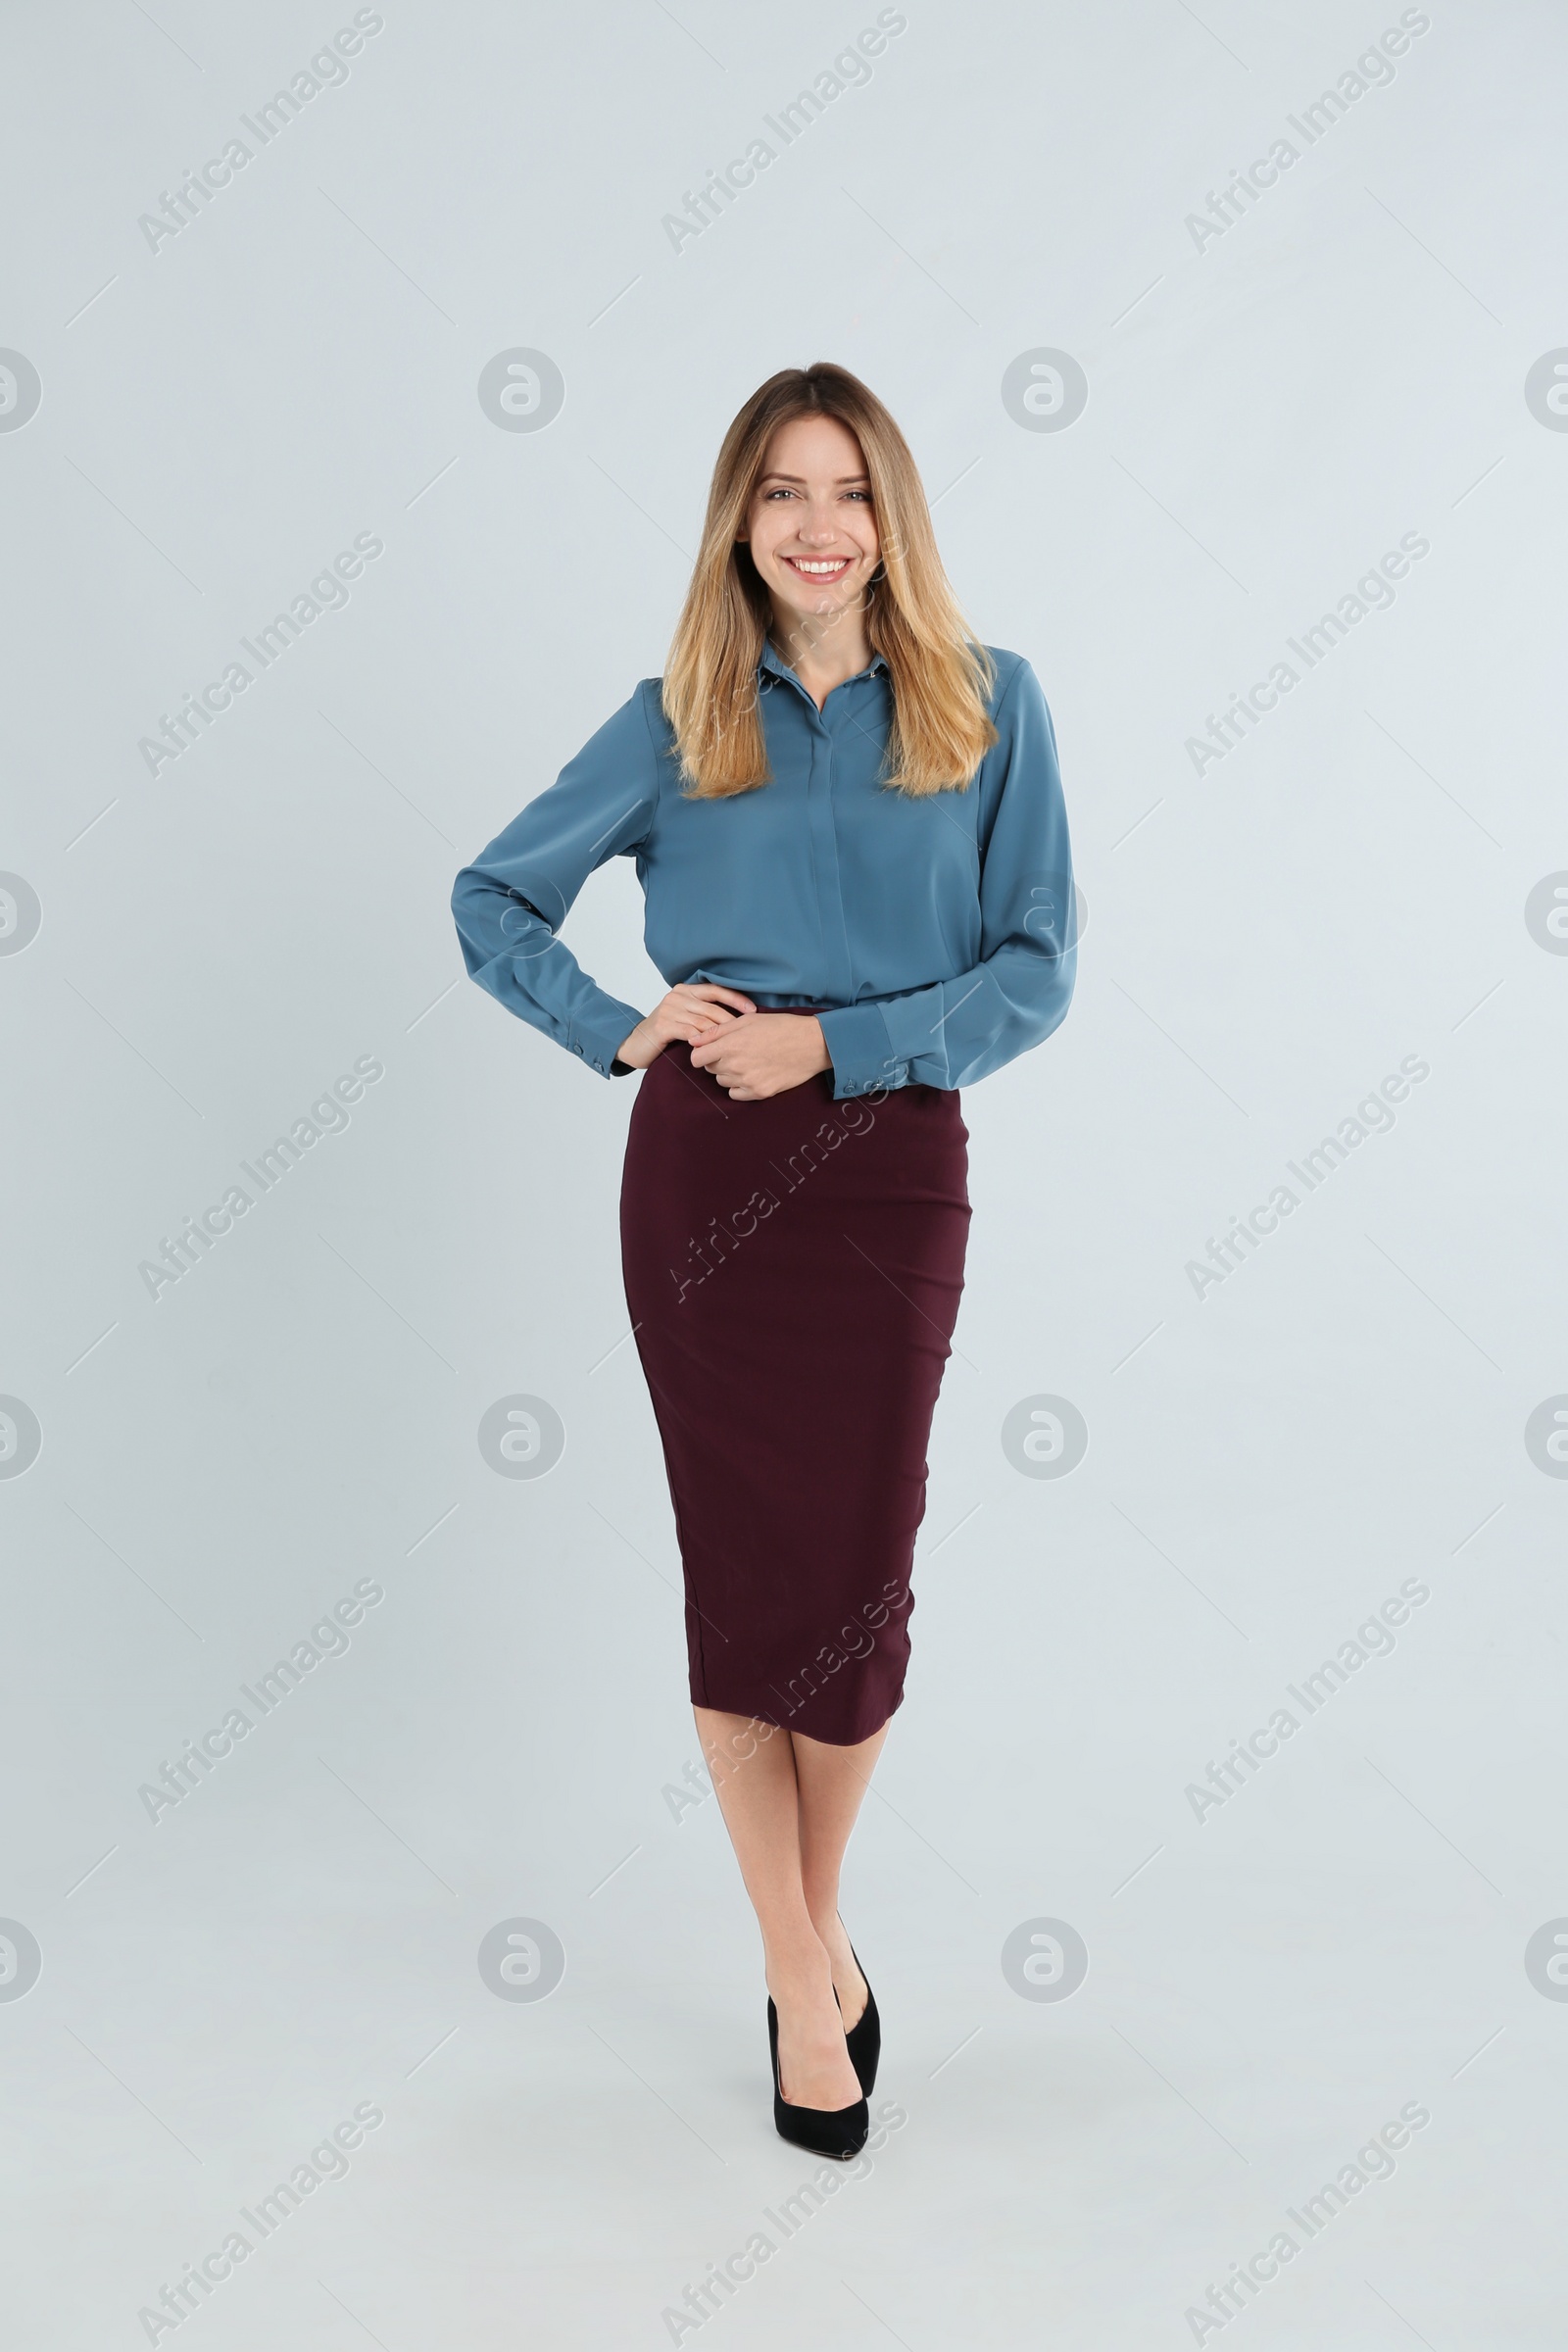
[765,1053]
[695,1011]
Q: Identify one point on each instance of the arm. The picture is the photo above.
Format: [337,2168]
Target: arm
[956,1031]
[511,901]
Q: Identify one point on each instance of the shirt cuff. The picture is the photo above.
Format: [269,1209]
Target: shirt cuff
[598,1038]
[917,1039]
[860,1050]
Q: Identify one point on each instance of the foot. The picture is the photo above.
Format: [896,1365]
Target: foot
[848,1982]
[813,2064]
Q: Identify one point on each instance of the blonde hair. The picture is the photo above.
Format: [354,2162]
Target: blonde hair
[941,674]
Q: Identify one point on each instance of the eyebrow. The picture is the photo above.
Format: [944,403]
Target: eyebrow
[842,481]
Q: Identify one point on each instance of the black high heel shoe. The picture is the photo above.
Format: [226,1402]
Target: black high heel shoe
[863,2040]
[840,2132]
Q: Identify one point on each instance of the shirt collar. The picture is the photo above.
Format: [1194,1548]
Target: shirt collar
[772,659]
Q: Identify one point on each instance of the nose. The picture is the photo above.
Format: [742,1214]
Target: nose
[817,526]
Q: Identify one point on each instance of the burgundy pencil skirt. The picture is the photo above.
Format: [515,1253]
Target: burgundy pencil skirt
[792,1271]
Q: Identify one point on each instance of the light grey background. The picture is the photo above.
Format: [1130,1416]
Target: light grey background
[1267,941]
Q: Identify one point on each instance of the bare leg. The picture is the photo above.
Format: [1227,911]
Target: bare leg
[832,1780]
[753,1769]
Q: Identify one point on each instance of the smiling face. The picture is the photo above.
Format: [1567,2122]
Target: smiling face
[812,525]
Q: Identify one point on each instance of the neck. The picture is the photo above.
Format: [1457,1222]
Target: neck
[823,648]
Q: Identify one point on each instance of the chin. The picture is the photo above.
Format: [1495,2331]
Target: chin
[826,606]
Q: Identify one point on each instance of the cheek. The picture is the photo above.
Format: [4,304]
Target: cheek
[764,532]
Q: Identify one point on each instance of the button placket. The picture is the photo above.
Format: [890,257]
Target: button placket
[836,930]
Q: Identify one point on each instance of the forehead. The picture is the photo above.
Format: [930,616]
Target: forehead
[816,449]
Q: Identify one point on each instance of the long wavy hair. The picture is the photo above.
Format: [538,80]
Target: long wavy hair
[941,674]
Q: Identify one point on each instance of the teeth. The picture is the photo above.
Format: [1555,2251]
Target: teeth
[837,564]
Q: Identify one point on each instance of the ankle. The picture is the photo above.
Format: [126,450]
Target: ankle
[799,1971]
[831,1932]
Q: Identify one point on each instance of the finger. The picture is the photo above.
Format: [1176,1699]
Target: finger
[690,1021]
[691,1000]
[719,994]
[693,1021]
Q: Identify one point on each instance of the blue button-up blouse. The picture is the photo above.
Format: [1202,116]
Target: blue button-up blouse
[938,931]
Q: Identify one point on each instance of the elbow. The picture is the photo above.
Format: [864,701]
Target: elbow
[1069,979]
[467,892]
[1044,1008]
[474,916]
[1061,995]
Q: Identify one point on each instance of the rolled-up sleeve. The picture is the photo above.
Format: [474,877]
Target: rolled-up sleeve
[956,1031]
[510,903]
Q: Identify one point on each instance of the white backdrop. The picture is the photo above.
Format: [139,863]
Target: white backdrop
[204,400]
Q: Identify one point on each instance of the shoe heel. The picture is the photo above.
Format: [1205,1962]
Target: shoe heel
[865,2037]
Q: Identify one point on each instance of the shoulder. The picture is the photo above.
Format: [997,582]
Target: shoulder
[646,709]
[635,732]
[1023,757]
[1013,682]
[649,695]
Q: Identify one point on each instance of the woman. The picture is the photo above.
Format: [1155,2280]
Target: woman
[848,824]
